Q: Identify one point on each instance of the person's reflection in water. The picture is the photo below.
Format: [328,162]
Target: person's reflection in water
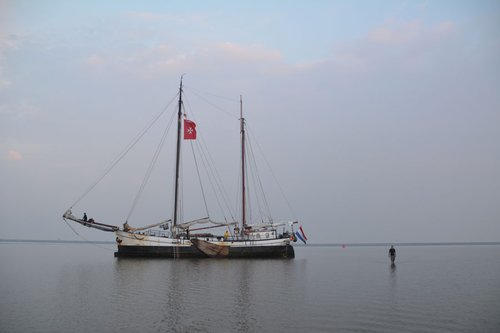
[393,282]
[392,255]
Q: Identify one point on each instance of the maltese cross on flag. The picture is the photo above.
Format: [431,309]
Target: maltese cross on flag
[189,130]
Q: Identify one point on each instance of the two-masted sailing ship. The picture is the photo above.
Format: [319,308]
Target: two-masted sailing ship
[174,238]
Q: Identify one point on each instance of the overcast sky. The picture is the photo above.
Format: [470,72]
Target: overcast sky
[380,119]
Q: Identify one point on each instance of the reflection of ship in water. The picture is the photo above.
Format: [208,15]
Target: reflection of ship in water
[197,295]
[242,300]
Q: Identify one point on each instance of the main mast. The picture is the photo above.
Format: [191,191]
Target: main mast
[178,156]
[243,190]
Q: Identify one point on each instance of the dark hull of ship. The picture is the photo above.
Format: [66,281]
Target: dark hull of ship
[284,251]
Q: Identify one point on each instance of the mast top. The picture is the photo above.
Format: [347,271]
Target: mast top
[182,77]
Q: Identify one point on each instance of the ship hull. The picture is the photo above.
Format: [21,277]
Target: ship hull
[285,251]
[141,251]
[140,246]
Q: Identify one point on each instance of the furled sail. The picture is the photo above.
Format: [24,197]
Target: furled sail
[162,224]
[204,220]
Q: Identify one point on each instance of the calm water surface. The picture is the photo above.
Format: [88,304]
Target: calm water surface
[83,288]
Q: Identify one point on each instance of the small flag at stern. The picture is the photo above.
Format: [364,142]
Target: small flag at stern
[301,235]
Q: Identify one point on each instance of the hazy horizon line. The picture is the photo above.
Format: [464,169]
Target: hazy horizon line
[54,241]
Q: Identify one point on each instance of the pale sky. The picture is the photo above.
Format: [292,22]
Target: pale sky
[380,119]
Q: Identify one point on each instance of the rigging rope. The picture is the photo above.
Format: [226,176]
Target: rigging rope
[249,201]
[151,166]
[125,151]
[257,185]
[199,179]
[215,174]
[238,194]
[211,181]
[86,240]
[180,191]
[274,176]
[212,172]
[256,176]
[211,104]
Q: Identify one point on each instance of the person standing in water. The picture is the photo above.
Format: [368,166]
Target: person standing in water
[392,253]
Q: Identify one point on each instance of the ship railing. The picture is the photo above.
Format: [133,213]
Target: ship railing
[157,233]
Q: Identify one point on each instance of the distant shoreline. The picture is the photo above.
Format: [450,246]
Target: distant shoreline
[49,241]
[401,244]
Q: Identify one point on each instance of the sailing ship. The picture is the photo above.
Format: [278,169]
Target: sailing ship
[174,238]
